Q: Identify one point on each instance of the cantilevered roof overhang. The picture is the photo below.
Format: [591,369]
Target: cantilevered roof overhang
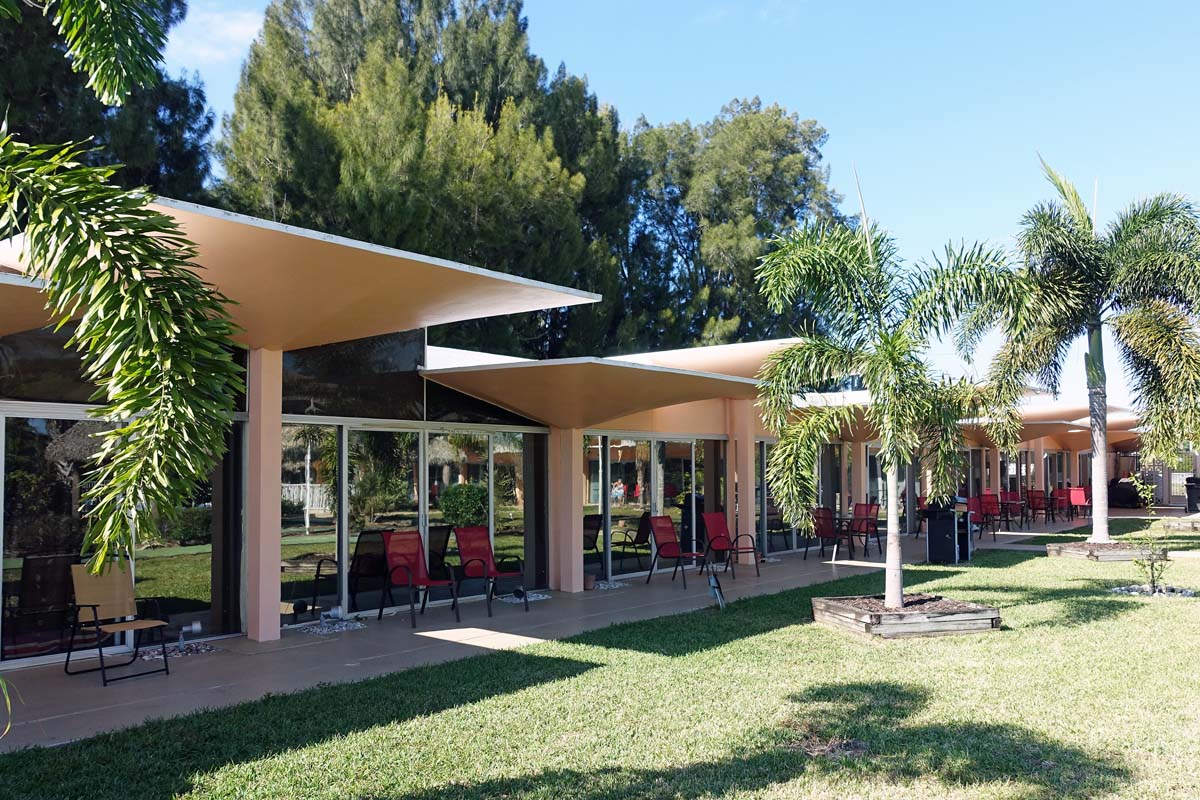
[585,392]
[22,304]
[295,288]
[743,359]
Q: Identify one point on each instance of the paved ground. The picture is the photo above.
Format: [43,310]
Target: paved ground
[51,708]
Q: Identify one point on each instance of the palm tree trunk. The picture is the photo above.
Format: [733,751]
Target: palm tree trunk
[1098,409]
[893,593]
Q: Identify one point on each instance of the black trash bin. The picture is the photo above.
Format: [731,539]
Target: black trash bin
[1192,487]
[948,540]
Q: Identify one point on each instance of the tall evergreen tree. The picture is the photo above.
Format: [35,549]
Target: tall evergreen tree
[430,125]
[160,134]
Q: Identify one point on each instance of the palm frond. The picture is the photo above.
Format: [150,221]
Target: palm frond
[809,365]
[1154,253]
[793,463]
[1160,348]
[1071,199]
[828,264]
[975,279]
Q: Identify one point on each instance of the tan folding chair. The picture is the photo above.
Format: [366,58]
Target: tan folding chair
[108,598]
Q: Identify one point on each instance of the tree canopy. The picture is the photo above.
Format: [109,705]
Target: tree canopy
[430,125]
[160,132]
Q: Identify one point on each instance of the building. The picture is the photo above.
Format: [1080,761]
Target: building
[353,424]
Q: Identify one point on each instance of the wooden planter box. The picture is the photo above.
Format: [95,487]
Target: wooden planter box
[835,612]
[1081,550]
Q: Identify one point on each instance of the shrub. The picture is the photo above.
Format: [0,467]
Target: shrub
[464,504]
[191,526]
[290,508]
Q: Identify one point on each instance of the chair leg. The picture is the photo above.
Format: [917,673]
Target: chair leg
[162,641]
[757,572]
[525,597]
[729,567]
[412,605]
[653,561]
[454,603]
[682,571]
[488,591]
[836,542]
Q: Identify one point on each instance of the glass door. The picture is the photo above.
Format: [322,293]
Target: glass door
[628,498]
[309,553]
[674,489]
[460,496]
[383,493]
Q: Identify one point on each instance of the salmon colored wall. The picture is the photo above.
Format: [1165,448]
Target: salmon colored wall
[702,418]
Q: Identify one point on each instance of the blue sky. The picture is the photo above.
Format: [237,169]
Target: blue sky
[943,108]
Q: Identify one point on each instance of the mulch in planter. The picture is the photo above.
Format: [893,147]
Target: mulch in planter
[913,603]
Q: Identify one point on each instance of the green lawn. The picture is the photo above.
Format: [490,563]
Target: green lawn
[1084,694]
[1118,527]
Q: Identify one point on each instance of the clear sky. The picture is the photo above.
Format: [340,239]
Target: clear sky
[942,107]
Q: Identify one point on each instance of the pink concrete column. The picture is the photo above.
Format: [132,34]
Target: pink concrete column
[264,435]
[741,420]
[861,474]
[567,487]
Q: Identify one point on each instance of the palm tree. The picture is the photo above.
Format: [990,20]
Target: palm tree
[872,333]
[1139,277]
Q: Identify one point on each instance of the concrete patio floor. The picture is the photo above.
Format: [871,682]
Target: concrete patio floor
[50,708]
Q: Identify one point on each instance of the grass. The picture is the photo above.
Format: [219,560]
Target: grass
[1117,528]
[1073,699]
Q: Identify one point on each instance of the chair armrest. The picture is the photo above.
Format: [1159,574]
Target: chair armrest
[753,541]
[408,580]
[148,601]
[483,568]
[511,560]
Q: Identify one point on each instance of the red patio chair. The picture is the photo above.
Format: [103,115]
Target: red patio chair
[865,523]
[1039,505]
[717,540]
[1060,504]
[635,541]
[1080,502]
[825,529]
[406,566]
[992,510]
[1013,507]
[666,545]
[479,561]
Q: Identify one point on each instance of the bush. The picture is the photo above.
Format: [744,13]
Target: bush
[464,504]
[191,526]
[290,508]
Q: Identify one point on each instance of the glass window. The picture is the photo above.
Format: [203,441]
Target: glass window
[192,569]
[443,404]
[595,504]
[309,521]
[629,499]
[459,495]
[677,497]
[188,571]
[374,377]
[520,530]
[38,366]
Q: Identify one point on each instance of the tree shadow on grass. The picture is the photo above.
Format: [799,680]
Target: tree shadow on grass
[692,632]
[1083,601]
[848,731]
[156,760]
